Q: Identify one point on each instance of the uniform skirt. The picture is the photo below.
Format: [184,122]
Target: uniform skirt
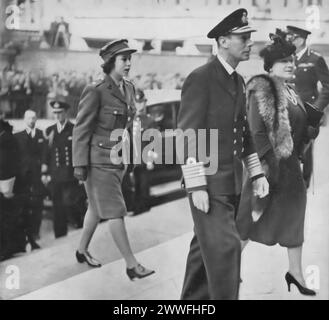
[104,191]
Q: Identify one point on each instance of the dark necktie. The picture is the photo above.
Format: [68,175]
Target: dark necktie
[235,78]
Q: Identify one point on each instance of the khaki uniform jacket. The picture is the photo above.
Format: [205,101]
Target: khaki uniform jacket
[102,109]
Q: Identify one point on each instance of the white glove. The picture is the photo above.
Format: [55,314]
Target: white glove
[261,187]
[201,200]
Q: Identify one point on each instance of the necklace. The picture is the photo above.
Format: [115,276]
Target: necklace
[291,95]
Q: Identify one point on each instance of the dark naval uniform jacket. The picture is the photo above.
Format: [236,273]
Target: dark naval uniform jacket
[311,69]
[103,108]
[58,155]
[212,99]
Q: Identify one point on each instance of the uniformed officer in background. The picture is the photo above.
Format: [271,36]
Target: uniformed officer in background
[311,70]
[31,143]
[68,196]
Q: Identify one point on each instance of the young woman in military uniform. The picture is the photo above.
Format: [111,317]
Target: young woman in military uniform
[105,107]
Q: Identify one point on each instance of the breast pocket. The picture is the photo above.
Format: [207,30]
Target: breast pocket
[104,151]
[114,117]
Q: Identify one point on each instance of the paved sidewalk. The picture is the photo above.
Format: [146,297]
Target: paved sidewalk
[263,269]
[263,273]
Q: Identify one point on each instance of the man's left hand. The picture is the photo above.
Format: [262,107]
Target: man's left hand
[261,187]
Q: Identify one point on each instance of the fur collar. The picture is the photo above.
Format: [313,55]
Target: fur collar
[272,104]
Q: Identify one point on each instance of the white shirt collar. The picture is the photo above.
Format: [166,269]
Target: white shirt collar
[60,127]
[30,131]
[226,65]
[301,53]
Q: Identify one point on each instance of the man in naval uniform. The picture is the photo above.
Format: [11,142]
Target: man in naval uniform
[68,196]
[311,70]
[213,97]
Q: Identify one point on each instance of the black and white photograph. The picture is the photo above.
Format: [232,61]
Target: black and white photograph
[164,150]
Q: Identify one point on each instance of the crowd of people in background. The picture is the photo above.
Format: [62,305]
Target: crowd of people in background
[35,165]
[30,96]
[32,90]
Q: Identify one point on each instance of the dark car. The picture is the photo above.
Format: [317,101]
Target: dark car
[157,179]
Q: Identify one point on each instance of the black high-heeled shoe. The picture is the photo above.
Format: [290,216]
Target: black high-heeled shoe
[35,246]
[92,262]
[139,272]
[303,290]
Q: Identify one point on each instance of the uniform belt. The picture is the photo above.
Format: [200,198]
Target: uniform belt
[106,133]
[103,132]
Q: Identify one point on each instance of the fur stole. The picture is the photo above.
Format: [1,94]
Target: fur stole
[272,104]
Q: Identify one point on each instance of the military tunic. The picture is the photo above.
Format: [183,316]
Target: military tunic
[68,197]
[103,108]
[311,69]
[212,99]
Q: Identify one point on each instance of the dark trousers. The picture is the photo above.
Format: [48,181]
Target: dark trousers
[60,209]
[213,263]
[68,202]
[12,231]
[30,190]
[33,216]
[308,166]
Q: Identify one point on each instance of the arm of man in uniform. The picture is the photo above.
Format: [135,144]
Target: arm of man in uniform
[322,72]
[83,131]
[192,115]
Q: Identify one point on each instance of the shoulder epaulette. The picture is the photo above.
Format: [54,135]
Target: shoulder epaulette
[100,82]
[316,53]
[97,83]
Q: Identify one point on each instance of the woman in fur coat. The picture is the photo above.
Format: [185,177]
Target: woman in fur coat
[278,122]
